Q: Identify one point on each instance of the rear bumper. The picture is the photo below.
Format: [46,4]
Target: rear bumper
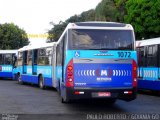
[92,93]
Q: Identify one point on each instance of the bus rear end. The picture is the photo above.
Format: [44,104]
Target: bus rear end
[6,63]
[100,63]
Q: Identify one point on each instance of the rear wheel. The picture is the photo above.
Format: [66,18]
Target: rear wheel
[41,82]
[19,79]
[111,101]
[65,100]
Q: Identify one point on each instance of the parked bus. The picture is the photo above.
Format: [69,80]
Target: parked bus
[149,64]
[35,64]
[6,63]
[96,60]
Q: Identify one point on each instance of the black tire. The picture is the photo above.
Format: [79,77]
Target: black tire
[18,76]
[59,89]
[111,101]
[65,100]
[41,82]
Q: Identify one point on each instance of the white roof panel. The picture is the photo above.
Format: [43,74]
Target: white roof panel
[146,42]
[8,51]
[31,47]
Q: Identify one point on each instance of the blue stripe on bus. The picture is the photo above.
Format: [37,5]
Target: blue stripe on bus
[159,72]
[151,73]
[45,70]
[48,82]
[148,84]
[34,80]
[6,68]
[30,79]
[96,54]
[6,74]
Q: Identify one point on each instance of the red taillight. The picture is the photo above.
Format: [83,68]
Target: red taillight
[70,74]
[134,73]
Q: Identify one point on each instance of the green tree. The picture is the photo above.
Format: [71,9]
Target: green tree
[12,37]
[106,11]
[144,16]
[57,29]
[121,9]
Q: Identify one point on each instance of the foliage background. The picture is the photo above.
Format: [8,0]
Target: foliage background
[143,15]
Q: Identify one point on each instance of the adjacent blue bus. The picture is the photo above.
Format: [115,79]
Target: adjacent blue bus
[149,64]
[7,58]
[96,60]
[35,64]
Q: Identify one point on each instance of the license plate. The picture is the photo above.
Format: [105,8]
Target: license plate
[104,94]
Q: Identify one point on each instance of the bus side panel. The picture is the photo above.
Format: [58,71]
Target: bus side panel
[6,71]
[149,84]
[6,74]
[150,79]
[29,79]
[48,82]
[46,72]
[29,70]
[58,78]
[150,74]
[159,73]
[24,69]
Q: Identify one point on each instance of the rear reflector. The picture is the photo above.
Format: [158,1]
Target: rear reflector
[127,92]
[77,92]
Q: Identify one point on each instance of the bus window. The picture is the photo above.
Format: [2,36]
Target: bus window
[141,57]
[29,57]
[8,59]
[1,59]
[25,57]
[59,54]
[20,56]
[44,56]
[100,39]
[35,57]
[152,56]
[49,55]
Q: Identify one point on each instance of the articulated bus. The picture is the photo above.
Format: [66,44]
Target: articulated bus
[35,64]
[96,60]
[7,58]
[149,64]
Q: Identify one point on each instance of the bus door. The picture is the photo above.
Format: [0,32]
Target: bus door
[54,66]
[34,63]
[24,66]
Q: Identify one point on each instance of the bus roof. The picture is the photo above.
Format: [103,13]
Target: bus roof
[99,25]
[31,47]
[8,51]
[146,42]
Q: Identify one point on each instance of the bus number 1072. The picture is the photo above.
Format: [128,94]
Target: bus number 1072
[124,54]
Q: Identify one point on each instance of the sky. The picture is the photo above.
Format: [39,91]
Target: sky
[34,16]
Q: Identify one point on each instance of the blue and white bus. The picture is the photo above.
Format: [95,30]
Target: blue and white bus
[7,58]
[96,60]
[35,64]
[149,64]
